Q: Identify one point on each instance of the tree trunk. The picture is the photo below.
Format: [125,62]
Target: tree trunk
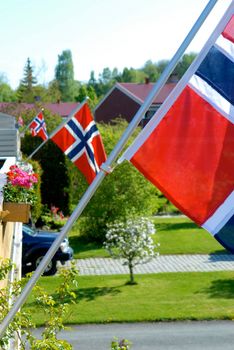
[131,272]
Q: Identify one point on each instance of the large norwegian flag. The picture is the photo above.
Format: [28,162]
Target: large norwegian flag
[187,149]
[81,141]
[38,127]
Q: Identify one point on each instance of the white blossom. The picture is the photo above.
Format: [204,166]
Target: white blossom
[131,241]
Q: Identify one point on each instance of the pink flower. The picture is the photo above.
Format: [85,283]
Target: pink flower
[19,177]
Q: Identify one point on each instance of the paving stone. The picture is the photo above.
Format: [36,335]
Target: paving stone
[160,264]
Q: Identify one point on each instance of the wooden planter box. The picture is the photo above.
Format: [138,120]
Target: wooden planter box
[18,212]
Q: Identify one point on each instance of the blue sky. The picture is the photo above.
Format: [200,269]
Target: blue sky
[99,33]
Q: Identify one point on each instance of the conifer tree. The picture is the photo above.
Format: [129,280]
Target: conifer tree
[25,91]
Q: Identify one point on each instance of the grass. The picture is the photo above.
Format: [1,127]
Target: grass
[156,297]
[182,236]
[176,235]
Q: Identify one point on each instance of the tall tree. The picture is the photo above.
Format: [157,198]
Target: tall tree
[29,79]
[105,82]
[64,74]
[25,91]
[92,81]
[106,76]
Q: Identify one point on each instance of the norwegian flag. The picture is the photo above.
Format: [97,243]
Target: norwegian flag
[20,121]
[38,127]
[81,141]
[187,149]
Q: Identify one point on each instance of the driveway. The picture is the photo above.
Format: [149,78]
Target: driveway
[207,335]
[162,263]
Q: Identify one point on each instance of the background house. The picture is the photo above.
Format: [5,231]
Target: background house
[61,108]
[124,100]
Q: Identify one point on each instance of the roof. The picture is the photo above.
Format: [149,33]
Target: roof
[9,136]
[61,108]
[8,119]
[141,91]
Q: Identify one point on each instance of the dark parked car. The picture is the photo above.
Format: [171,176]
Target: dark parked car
[35,245]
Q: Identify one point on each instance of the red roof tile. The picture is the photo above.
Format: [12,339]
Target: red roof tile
[61,108]
[141,91]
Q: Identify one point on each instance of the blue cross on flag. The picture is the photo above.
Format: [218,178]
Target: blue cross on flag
[38,127]
[80,140]
[83,142]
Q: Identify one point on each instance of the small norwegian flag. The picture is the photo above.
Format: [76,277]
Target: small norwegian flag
[81,141]
[20,121]
[38,127]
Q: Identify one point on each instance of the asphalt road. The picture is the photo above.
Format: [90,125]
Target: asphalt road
[210,335]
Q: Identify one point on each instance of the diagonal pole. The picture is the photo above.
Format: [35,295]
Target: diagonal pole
[105,168]
[58,128]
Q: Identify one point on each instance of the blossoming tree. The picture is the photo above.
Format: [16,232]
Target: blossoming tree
[131,241]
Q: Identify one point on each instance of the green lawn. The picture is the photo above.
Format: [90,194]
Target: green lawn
[177,235]
[156,297]
[182,236]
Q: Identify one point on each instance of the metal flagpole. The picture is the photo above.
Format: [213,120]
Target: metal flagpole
[106,167]
[59,127]
[15,275]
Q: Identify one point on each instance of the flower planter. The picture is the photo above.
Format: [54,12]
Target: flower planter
[18,212]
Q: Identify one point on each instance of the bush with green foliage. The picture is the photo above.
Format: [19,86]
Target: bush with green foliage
[37,207]
[123,192]
[51,219]
[55,307]
[122,344]
[56,184]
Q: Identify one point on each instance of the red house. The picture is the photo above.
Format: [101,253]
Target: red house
[61,108]
[124,100]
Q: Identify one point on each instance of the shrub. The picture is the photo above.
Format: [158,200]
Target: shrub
[122,192]
[55,307]
[51,219]
[37,207]
[123,344]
